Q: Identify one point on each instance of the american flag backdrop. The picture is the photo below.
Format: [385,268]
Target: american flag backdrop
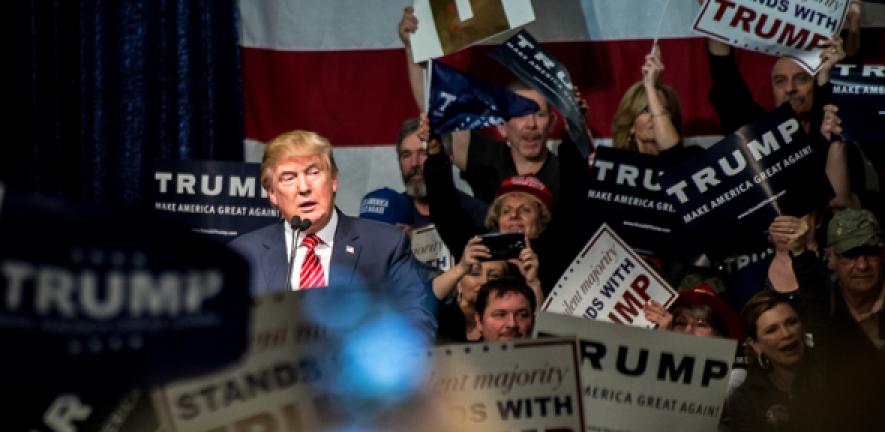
[337,67]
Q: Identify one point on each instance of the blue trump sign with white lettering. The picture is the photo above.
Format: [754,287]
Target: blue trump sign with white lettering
[218,199]
[105,299]
[623,189]
[729,194]
[859,92]
[525,57]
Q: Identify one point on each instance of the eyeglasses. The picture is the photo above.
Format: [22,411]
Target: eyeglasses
[682,323]
[867,251]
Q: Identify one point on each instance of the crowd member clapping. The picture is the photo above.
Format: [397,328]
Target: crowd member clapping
[781,277]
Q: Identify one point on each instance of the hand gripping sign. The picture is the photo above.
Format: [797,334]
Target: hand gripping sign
[785,28]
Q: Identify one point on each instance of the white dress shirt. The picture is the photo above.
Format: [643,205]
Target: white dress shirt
[323,250]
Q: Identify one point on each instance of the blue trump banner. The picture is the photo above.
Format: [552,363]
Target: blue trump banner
[525,57]
[218,199]
[459,101]
[623,190]
[859,92]
[84,411]
[729,194]
[109,300]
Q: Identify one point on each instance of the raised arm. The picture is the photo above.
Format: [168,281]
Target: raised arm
[852,28]
[837,160]
[454,224]
[833,53]
[408,25]
[666,136]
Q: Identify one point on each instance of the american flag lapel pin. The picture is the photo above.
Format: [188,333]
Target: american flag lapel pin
[349,249]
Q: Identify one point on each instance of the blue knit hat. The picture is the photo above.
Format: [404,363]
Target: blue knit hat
[387,205]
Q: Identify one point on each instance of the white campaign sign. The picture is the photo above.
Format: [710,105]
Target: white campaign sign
[270,389]
[470,23]
[646,380]
[784,28]
[429,248]
[507,386]
[608,281]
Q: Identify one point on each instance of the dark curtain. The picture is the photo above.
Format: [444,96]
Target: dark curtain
[100,89]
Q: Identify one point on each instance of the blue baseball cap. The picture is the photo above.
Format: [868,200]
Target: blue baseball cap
[387,205]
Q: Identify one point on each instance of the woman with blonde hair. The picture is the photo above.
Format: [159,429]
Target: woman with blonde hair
[649,116]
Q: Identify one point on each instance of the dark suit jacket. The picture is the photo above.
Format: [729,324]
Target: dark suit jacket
[366,254]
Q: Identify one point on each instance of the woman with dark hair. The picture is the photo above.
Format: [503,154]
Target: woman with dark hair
[797,381]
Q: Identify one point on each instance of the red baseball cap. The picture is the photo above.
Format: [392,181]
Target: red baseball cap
[530,185]
[704,294]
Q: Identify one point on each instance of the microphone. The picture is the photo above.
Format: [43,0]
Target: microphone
[295,223]
[305,224]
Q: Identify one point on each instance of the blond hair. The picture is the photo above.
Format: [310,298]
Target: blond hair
[494,211]
[295,143]
[634,103]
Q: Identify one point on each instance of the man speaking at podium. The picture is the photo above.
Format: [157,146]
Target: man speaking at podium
[333,250]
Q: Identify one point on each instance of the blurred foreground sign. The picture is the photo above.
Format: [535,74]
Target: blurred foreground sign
[514,386]
[646,380]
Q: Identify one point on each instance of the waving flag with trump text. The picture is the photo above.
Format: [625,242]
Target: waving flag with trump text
[459,101]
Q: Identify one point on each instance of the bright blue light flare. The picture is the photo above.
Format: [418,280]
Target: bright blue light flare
[382,360]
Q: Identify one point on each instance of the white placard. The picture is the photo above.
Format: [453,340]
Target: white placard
[484,21]
[271,388]
[784,28]
[646,380]
[508,386]
[428,247]
[608,281]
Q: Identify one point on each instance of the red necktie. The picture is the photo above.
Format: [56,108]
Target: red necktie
[312,275]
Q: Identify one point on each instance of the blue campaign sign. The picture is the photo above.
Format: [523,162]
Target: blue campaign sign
[525,57]
[84,410]
[859,92]
[623,190]
[111,299]
[728,195]
[219,199]
[459,102]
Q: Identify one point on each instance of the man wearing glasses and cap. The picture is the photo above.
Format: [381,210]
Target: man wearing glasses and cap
[857,259]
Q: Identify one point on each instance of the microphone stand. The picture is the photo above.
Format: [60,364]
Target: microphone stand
[295,223]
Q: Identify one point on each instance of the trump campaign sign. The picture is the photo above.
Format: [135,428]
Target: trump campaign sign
[797,29]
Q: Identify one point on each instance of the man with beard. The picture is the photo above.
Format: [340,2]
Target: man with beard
[411,153]
[485,162]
